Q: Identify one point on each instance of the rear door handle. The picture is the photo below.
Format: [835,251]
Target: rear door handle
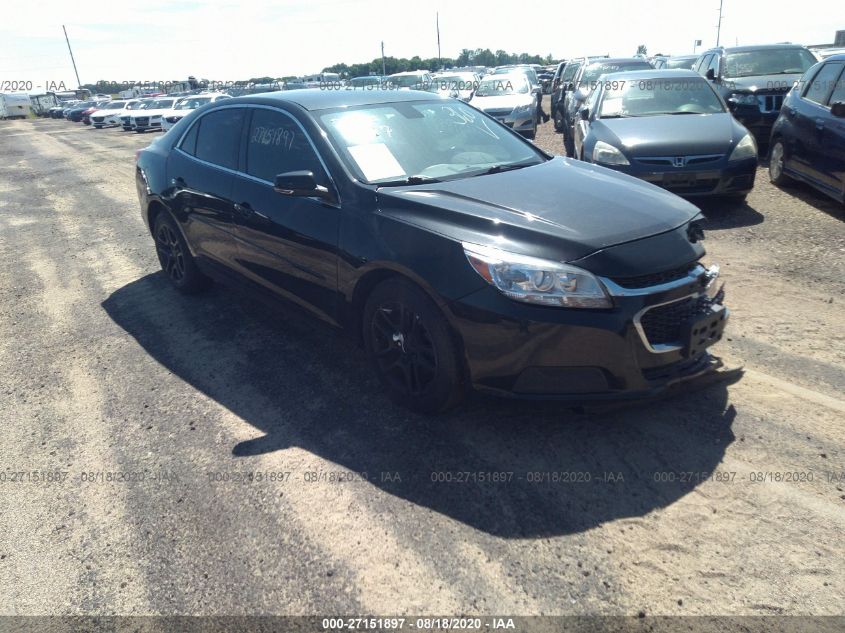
[819,124]
[243,209]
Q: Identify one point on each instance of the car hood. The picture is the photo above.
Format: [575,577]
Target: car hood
[671,135]
[501,101]
[762,83]
[562,209]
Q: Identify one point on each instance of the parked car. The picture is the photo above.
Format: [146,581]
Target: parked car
[98,105]
[808,137]
[150,117]
[754,80]
[14,105]
[371,82]
[456,85]
[411,80]
[583,84]
[460,254]
[108,115]
[561,84]
[509,100]
[677,62]
[169,119]
[126,116]
[669,128]
[74,113]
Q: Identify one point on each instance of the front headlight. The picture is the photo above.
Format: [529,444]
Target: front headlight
[746,148]
[539,281]
[523,109]
[743,98]
[606,154]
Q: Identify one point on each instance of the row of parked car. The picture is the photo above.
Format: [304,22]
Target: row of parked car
[138,115]
[693,124]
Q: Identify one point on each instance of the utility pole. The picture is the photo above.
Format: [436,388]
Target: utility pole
[439,58]
[73,61]
[719,25]
[383,71]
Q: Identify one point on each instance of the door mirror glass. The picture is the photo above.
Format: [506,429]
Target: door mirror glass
[584,113]
[838,109]
[711,74]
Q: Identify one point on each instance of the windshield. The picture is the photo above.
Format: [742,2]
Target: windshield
[771,61]
[389,143]
[682,63]
[192,104]
[596,70]
[453,82]
[406,81]
[365,81]
[508,85]
[161,104]
[115,105]
[135,105]
[650,97]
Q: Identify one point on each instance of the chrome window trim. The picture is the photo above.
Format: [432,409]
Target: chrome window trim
[692,276]
[247,106]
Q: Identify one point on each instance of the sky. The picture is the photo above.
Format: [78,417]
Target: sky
[221,40]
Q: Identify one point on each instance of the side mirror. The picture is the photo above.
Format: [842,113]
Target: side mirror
[710,74]
[731,105]
[300,184]
[838,109]
[584,113]
[581,94]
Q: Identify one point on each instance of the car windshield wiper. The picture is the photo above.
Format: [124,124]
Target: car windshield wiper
[410,180]
[495,169]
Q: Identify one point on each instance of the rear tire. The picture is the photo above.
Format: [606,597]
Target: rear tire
[411,347]
[777,155]
[175,257]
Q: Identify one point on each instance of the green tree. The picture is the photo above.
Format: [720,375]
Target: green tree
[642,49]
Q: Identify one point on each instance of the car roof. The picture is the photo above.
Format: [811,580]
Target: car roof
[614,60]
[760,47]
[653,73]
[317,99]
[690,56]
[839,57]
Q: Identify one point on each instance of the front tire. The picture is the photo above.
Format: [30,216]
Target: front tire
[777,155]
[411,347]
[175,257]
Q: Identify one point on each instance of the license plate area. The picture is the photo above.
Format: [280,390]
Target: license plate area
[703,331]
[680,180]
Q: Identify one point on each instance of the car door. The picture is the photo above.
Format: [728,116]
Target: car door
[832,144]
[200,171]
[286,244]
[810,119]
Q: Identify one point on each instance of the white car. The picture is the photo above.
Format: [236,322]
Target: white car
[150,117]
[456,85]
[131,108]
[510,100]
[186,105]
[108,115]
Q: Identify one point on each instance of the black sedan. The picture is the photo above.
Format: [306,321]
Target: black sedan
[456,251]
[808,138]
[671,128]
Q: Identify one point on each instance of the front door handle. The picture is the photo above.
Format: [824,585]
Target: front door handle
[819,124]
[178,182]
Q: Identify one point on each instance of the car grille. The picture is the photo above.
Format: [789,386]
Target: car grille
[142,120]
[124,120]
[499,112]
[655,279]
[663,325]
[98,119]
[770,103]
[672,161]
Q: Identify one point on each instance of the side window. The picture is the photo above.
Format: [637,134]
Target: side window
[219,137]
[838,94]
[701,64]
[189,143]
[276,144]
[714,64]
[822,84]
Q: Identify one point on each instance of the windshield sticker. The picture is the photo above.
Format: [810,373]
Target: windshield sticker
[376,161]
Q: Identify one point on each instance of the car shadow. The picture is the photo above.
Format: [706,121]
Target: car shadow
[509,468]
[722,214]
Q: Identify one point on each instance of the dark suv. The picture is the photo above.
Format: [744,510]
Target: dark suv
[583,83]
[754,80]
[808,138]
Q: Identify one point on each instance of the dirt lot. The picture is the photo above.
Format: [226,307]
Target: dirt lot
[727,500]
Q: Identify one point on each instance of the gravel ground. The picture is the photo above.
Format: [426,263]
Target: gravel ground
[725,500]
